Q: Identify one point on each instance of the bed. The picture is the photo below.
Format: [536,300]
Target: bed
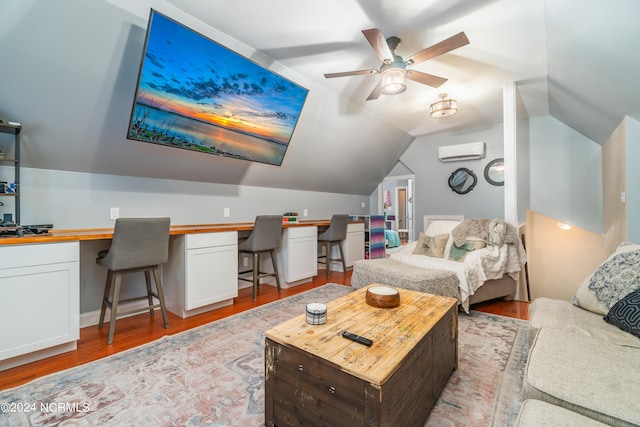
[488,267]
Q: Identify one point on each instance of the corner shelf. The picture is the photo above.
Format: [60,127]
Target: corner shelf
[15,161]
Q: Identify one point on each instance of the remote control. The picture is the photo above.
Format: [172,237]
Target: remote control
[357,338]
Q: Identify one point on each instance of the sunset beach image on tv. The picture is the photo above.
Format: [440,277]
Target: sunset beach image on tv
[196,94]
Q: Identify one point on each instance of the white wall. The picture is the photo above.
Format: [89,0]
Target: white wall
[565,174]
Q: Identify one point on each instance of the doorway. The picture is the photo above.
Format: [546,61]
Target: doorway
[401,213]
[401,189]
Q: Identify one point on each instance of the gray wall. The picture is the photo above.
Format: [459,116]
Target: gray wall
[72,200]
[432,192]
[559,174]
[81,200]
[566,174]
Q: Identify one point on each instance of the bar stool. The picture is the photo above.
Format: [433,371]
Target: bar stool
[335,234]
[139,244]
[265,238]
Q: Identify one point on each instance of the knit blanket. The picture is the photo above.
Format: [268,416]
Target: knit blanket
[495,232]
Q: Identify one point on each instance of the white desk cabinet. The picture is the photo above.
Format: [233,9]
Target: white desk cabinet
[353,247]
[40,301]
[298,255]
[202,272]
[354,244]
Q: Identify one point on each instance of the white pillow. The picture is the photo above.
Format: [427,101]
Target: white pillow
[442,227]
[618,276]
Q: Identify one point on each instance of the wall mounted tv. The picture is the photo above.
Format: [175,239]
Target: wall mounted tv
[196,94]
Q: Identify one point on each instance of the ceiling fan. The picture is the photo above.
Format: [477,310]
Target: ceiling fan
[393,70]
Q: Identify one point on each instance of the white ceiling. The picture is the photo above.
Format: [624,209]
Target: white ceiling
[574,59]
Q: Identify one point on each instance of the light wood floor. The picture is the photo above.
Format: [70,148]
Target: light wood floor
[141,329]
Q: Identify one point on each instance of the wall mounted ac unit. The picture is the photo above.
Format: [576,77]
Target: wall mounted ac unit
[454,153]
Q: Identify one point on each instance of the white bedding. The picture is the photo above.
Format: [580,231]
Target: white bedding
[491,262]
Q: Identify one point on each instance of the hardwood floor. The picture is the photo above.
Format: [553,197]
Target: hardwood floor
[141,329]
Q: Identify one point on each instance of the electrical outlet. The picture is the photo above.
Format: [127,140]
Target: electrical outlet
[245,261]
[305,212]
[114,213]
[227,212]
[363,205]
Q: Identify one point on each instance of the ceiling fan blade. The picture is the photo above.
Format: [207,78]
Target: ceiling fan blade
[379,44]
[438,49]
[375,93]
[425,79]
[350,73]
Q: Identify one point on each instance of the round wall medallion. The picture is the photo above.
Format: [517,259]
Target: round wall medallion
[494,172]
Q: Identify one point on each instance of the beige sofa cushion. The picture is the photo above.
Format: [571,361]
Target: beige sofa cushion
[585,375]
[535,413]
[560,314]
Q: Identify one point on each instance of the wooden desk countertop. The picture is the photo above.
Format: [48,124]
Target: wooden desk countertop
[55,235]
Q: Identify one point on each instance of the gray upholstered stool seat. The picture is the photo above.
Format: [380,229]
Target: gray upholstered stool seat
[264,239]
[535,413]
[334,235]
[138,245]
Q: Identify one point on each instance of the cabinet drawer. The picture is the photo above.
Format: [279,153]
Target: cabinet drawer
[298,232]
[15,256]
[357,227]
[207,240]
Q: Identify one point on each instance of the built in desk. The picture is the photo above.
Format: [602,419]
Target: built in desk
[40,277]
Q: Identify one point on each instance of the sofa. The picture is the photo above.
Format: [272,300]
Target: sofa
[584,354]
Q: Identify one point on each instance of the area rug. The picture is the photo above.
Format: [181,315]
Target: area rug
[214,375]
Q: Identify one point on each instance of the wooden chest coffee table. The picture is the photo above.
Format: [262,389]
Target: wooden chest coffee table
[314,376]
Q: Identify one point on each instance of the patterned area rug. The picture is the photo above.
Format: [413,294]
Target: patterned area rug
[213,375]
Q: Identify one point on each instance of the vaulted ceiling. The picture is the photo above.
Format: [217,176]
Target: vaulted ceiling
[573,59]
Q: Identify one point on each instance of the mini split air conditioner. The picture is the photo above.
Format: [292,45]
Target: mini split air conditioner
[454,153]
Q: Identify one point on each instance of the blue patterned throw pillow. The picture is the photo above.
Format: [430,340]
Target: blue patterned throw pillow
[625,314]
[615,278]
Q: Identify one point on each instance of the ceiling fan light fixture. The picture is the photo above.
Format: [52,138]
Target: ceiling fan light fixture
[444,107]
[393,80]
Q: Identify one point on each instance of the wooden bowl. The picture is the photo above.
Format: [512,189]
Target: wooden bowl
[382,296]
